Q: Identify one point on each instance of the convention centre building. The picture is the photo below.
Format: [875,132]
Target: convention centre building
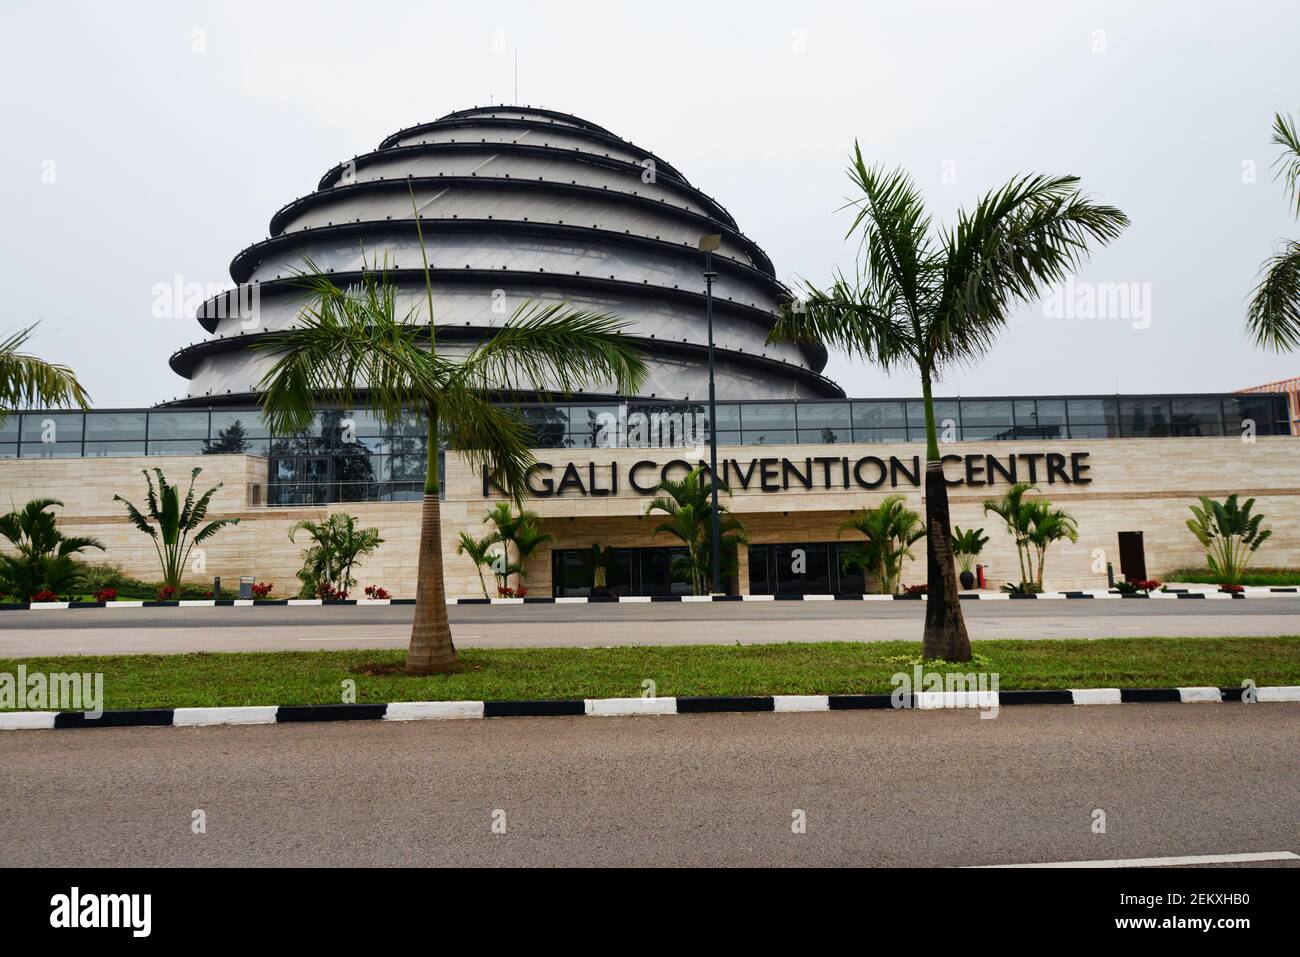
[521,204]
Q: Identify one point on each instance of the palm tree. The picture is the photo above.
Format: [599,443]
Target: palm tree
[27,382]
[337,546]
[891,528]
[1017,516]
[171,539]
[688,503]
[479,551]
[520,530]
[528,538]
[43,554]
[351,342]
[936,301]
[1049,525]
[598,560]
[1273,317]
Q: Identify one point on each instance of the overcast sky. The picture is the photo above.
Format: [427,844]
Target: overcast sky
[169,149]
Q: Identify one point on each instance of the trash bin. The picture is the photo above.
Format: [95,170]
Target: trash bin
[246,583]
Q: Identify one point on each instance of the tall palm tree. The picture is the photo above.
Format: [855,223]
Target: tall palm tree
[29,382]
[1273,317]
[350,343]
[934,301]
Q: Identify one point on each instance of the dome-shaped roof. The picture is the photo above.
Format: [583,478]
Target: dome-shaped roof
[518,203]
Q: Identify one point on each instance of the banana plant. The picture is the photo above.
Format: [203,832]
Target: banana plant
[1229,534]
[967,545]
[174,537]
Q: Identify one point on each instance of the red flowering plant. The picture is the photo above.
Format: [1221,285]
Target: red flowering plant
[328,593]
[916,589]
[262,590]
[166,593]
[45,595]
[1230,589]
[375,593]
[106,594]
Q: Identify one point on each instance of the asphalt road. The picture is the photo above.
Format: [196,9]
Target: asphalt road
[876,788]
[165,630]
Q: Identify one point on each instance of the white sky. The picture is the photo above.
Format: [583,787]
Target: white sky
[167,161]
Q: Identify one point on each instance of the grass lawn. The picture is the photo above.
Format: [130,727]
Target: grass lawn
[1276,577]
[315,677]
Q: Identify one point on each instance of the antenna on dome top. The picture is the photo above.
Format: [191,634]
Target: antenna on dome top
[516,76]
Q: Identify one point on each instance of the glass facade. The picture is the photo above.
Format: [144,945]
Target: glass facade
[353,456]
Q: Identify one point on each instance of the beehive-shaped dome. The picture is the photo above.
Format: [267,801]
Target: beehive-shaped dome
[518,204]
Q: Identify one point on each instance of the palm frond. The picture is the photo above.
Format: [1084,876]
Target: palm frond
[486,435]
[30,382]
[1273,316]
[554,347]
[346,341]
[1287,136]
[1020,238]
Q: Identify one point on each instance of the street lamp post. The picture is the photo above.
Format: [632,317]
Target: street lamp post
[708,244]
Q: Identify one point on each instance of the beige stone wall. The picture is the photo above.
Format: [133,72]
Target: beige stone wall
[1138,484]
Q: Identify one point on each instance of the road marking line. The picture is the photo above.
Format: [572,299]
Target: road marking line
[1164,861]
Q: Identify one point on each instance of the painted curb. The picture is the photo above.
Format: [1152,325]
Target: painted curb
[1172,595]
[612,707]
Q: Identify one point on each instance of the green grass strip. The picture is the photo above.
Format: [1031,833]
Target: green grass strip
[317,677]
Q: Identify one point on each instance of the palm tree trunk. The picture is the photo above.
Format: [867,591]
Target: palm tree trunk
[945,628]
[431,650]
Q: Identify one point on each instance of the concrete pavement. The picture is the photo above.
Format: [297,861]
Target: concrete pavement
[875,788]
[167,630]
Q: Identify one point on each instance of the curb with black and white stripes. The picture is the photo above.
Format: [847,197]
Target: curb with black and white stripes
[611,707]
[1171,594]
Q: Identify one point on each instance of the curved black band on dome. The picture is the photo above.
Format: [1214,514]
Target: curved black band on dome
[525,149]
[701,221]
[183,361]
[502,122]
[813,351]
[242,266]
[536,110]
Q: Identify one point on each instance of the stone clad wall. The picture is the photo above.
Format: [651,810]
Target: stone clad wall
[1137,484]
